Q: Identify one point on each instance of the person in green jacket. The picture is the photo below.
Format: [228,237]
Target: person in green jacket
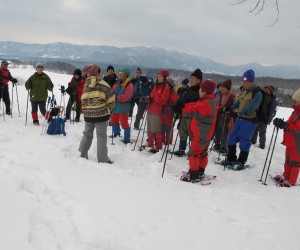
[38,84]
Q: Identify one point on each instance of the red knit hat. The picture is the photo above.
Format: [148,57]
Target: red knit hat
[164,72]
[208,86]
[227,84]
[91,70]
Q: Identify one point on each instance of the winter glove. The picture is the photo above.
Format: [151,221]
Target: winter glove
[234,114]
[280,123]
[14,80]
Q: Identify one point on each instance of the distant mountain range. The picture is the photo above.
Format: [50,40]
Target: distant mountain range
[137,56]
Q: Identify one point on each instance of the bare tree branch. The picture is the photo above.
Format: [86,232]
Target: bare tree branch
[259,7]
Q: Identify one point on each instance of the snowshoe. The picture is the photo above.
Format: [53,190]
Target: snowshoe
[180,153]
[36,122]
[153,150]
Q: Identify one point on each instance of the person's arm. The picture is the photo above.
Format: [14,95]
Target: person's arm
[253,105]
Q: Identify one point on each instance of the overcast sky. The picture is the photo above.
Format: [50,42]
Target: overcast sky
[211,28]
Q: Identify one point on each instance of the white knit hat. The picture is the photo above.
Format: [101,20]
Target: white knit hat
[296,95]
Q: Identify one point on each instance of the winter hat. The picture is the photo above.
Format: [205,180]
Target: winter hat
[208,86]
[39,65]
[197,73]
[164,72]
[144,79]
[91,70]
[271,88]
[126,70]
[4,62]
[138,69]
[171,82]
[296,95]
[185,81]
[249,76]
[110,67]
[227,84]
[77,72]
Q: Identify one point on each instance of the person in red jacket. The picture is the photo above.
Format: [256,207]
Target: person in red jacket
[5,77]
[291,139]
[75,90]
[158,98]
[202,115]
[166,119]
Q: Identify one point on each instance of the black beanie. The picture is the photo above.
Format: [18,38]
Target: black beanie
[138,69]
[77,72]
[110,67]
[197,73]
[185,81]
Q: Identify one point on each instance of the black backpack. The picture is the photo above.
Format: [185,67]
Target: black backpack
[268,107]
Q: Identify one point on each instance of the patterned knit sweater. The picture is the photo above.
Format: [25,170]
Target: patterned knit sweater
[97,100]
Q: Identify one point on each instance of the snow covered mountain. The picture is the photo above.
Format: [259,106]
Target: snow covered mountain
[138,56]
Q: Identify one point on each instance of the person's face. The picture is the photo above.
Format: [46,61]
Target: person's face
[201,93]
[123,76]
[110,72]
[160,78]
[39,69]
[247,85]
[296,103]
[223,90]
[138,73]
[76,76]
[194,81]
[4,66]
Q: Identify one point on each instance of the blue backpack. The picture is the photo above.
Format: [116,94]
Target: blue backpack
[56,127]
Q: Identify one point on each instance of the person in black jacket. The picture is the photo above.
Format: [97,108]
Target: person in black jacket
[191,95]
[111,77]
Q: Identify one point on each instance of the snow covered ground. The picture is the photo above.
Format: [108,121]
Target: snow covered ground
[52,199]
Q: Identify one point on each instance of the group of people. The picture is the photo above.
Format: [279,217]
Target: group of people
[204,112]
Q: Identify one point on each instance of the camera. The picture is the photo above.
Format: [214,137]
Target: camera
[62,89]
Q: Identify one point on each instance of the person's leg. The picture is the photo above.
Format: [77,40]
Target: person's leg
[87,139]
[6,100]
[42,107]
[101,131]
[34,109]
[262,135]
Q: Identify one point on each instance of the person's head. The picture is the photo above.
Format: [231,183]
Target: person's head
[296,97]
[138,72]
[77,73]
[196,77]
[225,86]
[125,74]
[39,67]
[185,83]
[110,70]
[162,76]
[4,64]
[91,70]
[207,87]
[248,79]
[171,83]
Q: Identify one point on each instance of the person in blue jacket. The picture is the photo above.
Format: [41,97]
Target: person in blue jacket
[142,90]
[244,111]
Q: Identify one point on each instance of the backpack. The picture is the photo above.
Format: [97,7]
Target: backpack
[56,127]
[268,107]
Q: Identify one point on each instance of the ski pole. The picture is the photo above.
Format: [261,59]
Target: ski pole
[12,100]
[174,146]
[167,147]
[2,104]
[18,101]
[267,156]
[144,130]
[27,107]
[270,160]
[140,129]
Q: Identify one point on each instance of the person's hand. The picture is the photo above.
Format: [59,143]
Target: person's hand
[14,81]
[280,123]
[234,114]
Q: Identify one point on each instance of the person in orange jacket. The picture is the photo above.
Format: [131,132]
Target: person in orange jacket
[166,119]
[291,139]
[202,115]
[158,98]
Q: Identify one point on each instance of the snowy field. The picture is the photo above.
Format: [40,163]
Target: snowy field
[51,199]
